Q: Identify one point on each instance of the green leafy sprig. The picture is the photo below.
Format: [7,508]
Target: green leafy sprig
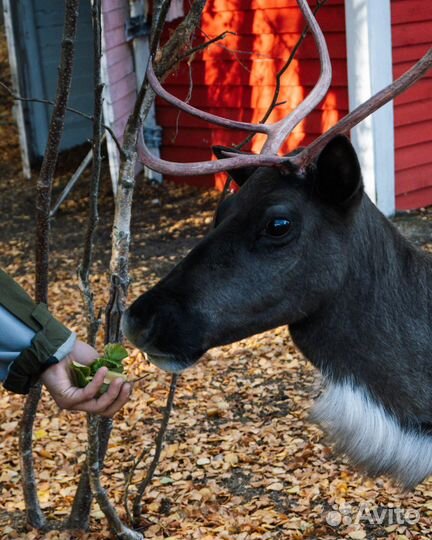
[112,358]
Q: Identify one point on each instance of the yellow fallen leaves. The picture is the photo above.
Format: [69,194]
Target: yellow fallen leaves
[359,534]
[40,434]
[231,458]
[8,475]
[276,486]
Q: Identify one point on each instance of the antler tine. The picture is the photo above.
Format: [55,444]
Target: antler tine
[208,117]
[280,130]
[206,167]
[370,106]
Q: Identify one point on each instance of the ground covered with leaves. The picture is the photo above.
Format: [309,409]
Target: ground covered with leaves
[241,460]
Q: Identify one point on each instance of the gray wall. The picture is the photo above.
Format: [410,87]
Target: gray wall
[38,26]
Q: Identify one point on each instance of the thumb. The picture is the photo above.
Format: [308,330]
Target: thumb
[93,387]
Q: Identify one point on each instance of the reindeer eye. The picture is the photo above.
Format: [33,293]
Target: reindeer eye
[278,227]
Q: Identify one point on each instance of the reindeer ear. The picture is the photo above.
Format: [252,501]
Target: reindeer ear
[238,175]
[339,181]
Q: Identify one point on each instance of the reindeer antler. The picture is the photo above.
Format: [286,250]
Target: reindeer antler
[278,132]
[374,103]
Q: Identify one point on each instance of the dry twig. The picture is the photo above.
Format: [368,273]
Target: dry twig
[69,109]
[137,505]
[120,530]
[274,102]
[80,512]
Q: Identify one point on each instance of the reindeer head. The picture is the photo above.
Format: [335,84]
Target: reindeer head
[273,258]
[278,246]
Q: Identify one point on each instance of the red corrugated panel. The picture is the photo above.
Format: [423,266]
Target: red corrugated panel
[255,98]
[415,199]
[236,77]
[411,34]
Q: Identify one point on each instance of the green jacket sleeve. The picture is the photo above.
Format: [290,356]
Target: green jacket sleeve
[48,344]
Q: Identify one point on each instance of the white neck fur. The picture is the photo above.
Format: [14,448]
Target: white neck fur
[371,437]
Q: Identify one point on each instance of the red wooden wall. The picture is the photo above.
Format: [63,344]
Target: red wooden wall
[236,77]
[412,36]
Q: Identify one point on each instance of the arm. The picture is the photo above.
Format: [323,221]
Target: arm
[34,344]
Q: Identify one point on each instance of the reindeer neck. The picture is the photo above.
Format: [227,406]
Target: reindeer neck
[376,331]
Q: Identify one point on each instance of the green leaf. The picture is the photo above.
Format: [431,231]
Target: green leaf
[115,365]
[81,374]
[97,364]
[103,389]
[113,375]
[115,351]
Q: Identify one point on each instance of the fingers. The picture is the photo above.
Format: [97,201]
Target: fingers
[90,391]
[121,399]
[109,402]
[85,399]
[106,399]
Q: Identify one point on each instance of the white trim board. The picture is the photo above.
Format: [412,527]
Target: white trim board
[18,105]
[108,115]
[370,68]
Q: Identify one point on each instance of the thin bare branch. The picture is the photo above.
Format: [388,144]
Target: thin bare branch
[118,528]
[81,506]
[69,109]
[34,515]
[168,57]
[274,102]
[160,10]
[137,504]
[72,181]
[80,512]
[276,133]
[206,44]
[93,217]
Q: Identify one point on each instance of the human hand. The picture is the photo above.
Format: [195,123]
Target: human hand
[59,383]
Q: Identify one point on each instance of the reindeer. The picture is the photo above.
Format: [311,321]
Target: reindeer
[301,244]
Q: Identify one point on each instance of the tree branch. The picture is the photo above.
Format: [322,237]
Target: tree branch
[160,11]
[34,514]
[169,56]
[69,109]
[118,528]
[80,513]
[274,102]
[93,217]
[206,44]
[137,504]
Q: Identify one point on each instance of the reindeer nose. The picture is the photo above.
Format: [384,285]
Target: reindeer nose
[137,330]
